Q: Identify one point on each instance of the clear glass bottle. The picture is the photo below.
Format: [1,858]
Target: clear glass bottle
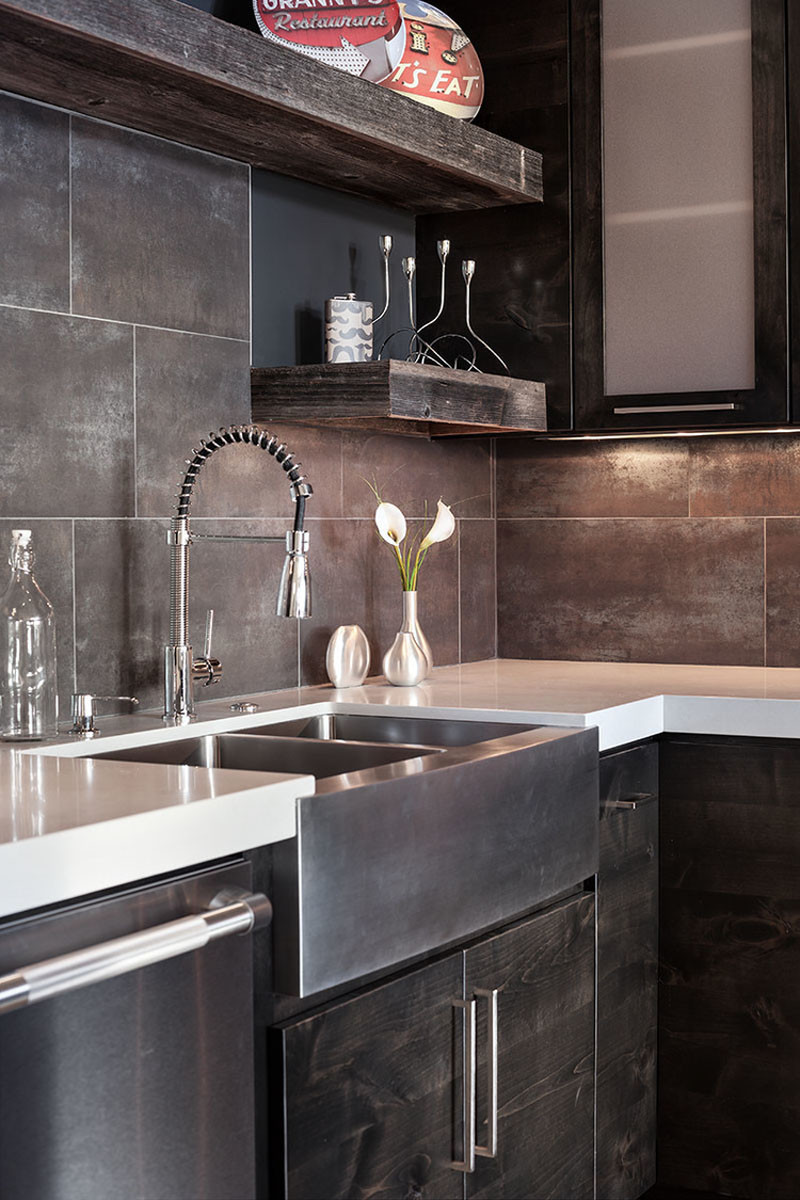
[28,699]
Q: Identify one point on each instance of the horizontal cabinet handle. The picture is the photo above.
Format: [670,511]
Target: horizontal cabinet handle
[78,969]
[634,800]
[674,408]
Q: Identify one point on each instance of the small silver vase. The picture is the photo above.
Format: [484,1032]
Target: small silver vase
[408,660]
[347,656]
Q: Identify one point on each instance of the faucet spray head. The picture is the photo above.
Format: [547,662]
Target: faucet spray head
[294,593]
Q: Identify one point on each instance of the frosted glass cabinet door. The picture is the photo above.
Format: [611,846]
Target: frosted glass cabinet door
[679,188]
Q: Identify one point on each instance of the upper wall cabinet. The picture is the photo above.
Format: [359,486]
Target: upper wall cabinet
[679,214]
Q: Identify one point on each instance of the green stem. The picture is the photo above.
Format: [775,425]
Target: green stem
[402,566]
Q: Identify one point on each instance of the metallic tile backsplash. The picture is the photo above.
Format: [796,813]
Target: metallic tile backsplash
[124,338]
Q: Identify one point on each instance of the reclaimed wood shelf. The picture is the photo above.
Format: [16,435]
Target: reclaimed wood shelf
[165,68]
[400,397]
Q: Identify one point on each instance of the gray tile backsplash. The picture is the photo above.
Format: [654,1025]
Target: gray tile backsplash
[159,232]
[34,184]
[66,398]
[186,386]
[641,589]
[103,395]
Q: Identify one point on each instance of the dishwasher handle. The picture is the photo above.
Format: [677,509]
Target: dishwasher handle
[231,911]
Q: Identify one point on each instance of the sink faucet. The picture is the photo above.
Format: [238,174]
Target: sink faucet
[181,668]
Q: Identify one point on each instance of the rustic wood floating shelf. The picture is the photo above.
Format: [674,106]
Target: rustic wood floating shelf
[398,397]
[165,68]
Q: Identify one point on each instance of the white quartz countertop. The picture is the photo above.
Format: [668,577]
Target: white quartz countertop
[71,825]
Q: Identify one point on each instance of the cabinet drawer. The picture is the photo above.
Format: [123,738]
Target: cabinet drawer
[629,778]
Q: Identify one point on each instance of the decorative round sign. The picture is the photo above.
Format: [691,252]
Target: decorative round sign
[362,37]
[439,66]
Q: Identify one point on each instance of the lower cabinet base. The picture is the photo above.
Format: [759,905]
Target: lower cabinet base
[729,1005]
[372,1100]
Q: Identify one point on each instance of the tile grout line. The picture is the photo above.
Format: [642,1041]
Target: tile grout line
[135,436]
[458,594]
[496,599]
[764,603]
[494,511]
[69,203]
[74,615]
[156,137]
[56,312]
[250,258]
[341,475]
[654,517]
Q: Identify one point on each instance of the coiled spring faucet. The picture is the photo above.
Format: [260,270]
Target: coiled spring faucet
[181,668]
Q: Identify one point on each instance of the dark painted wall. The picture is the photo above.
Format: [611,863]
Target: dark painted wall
[309,244]
[124,338]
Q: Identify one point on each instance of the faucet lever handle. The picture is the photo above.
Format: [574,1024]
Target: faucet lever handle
[209,633]
[207,670]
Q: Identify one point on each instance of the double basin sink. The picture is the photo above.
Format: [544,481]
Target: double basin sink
[332,747]
[420,833]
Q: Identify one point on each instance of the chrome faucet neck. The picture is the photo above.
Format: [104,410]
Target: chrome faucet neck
[181,668]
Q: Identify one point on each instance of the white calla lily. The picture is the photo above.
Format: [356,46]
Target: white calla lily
[391,523]
[442,527]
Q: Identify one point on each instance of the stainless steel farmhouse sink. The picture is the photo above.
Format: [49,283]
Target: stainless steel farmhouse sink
[243,752]
[420,833]
[389,728]
[397,865]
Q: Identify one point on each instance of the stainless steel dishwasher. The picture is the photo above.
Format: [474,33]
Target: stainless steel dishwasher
[126,1045]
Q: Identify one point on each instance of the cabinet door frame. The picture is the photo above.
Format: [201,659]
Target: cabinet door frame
[768,402]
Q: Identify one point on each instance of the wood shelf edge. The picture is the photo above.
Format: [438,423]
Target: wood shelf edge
[394,396]
[163,67]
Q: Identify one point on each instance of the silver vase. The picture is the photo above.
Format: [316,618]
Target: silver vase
[406,663]
[347,656]
[411,623]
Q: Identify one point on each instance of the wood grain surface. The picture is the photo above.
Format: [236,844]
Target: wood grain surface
[403,397]
[627,977]
[729,1046]
[165,68]
[544,972]
[521,293]
[371,1091]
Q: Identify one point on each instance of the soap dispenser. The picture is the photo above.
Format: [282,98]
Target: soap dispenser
[28,695]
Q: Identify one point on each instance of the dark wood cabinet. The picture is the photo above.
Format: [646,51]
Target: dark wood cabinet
[372,1086]
[766,402]
[370,1092]
[627,973]
[521,297]
[541,973]
[793,135]
[729,1004]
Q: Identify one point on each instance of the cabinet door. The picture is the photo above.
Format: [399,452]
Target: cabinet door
[627,974]
[371,1088]
[542,972]
[729,1006]
[679,214]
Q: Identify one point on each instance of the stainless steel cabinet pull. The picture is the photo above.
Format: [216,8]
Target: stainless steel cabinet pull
[468,1087]
[635,800]
[490,1149]
[228,913]
[674,408]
